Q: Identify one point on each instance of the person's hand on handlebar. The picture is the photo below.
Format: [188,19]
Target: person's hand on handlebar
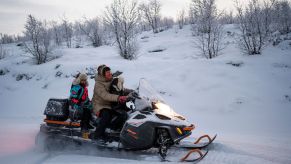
[122,99]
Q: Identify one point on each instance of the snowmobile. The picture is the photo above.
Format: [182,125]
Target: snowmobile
[151,123]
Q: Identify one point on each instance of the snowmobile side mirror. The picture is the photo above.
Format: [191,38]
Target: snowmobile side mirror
[117,73]
[133,95]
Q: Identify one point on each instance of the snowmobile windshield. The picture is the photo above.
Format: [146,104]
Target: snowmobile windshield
[147,92]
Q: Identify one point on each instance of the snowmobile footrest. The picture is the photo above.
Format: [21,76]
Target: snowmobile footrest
[65,123]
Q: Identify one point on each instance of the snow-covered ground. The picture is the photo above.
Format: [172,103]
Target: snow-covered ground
[249,106]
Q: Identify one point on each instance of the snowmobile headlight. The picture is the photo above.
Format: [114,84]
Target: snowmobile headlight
[163,109]
[166,110]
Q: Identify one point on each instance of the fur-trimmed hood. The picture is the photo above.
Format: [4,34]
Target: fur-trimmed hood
[82,76]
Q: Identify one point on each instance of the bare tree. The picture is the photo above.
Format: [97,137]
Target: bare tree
[3,51]
[181,18]
[227,18]
[144,24]
[166,23]
[57,33]
[78,34]
[282,16]
[254,23]
[67,32]
[38,35]
[5,38]
[20,38]
[206,27]
[93,30]
[151,12]
[122,16]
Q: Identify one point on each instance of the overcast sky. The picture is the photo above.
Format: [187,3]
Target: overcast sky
[13,13]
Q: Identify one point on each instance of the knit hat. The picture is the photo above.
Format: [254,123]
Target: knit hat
[82,76]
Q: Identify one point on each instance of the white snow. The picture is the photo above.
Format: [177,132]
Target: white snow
[249,107]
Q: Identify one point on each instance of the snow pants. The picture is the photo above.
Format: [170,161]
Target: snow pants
[113,119]
[81,114]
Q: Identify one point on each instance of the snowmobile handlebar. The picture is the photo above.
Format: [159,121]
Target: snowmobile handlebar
[132,96]
[130,100]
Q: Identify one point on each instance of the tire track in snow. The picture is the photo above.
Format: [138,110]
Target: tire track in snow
[219,152]
[44,159]
[246,153]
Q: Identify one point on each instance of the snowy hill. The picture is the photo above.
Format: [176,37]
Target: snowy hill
[246,100]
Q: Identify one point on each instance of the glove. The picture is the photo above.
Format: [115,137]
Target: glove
[122,99]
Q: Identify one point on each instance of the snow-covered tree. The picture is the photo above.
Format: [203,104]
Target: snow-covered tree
[282,16]
[254,23]
[181,18]
[57,33]
[151,12]
[206,27]
[144,25]
[38,35]
[5,38]
[122,16]
[166,23]
[78,34]
[227,18]
[3,51]
[93,29]
[67,31]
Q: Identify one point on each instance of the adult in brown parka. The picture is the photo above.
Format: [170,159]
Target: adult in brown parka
[102,103]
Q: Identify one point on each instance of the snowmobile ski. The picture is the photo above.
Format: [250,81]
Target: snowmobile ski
[197,144]
[197,151]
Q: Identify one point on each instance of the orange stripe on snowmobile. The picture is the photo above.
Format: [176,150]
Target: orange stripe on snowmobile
[62,123]
[130,131]
[135,137]
[189,128]
[200,138]
[190,152]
